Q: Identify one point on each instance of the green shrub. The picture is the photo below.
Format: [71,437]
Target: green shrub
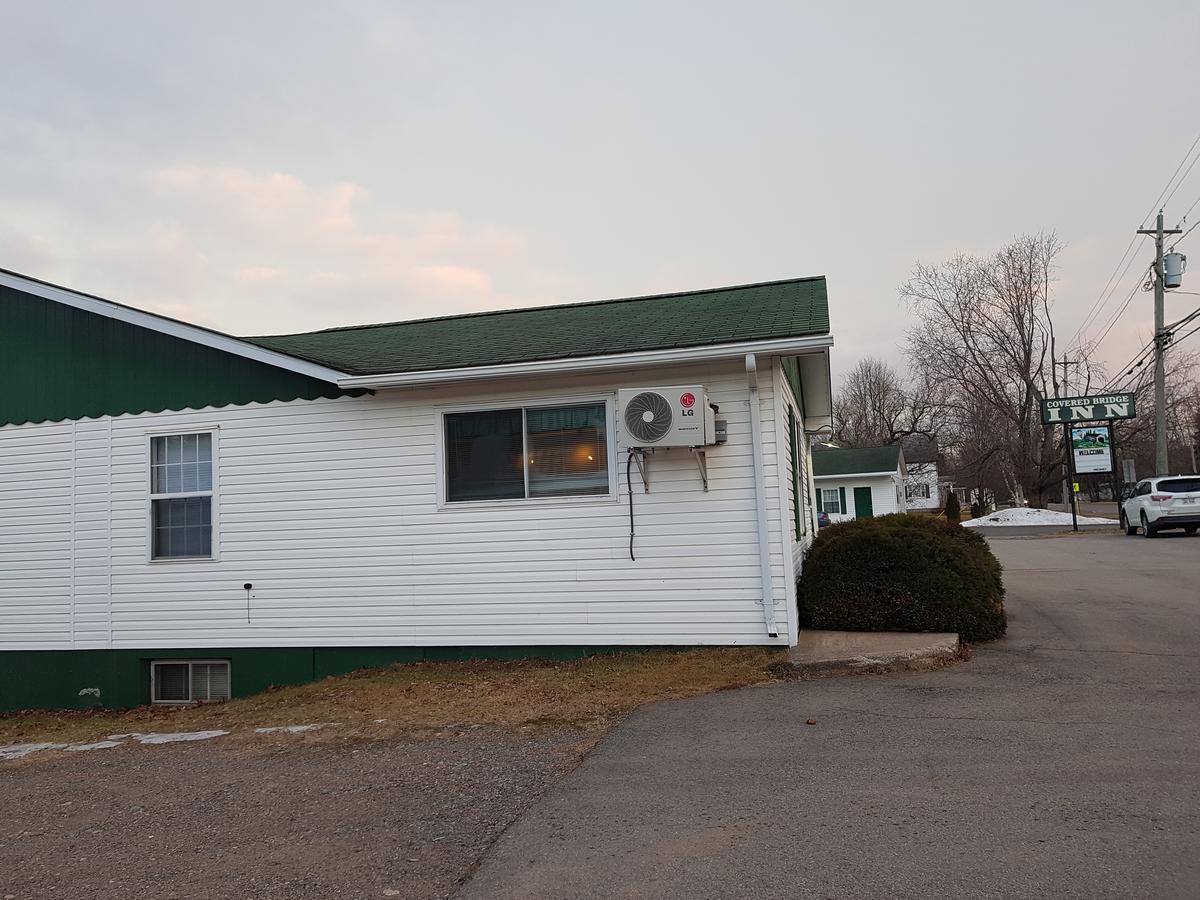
[976,509]
[953,508]
[902,573]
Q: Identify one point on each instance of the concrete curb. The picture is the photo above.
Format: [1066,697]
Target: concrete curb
[851,652]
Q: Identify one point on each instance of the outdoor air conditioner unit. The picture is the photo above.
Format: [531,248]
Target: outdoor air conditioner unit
[678,416]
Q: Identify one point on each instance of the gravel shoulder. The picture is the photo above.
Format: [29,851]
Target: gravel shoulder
[281,817]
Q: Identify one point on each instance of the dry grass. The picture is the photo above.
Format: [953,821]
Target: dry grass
[425,697]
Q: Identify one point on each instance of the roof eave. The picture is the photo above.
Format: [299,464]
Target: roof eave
[886,473]
[785,346]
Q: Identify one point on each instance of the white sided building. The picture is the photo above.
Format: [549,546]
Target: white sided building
[187,515]
[860,482]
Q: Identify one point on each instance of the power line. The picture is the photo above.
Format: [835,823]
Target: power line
[1181,181]
[1110,286]
[1112,320]
[1188,213]
[1139,359]
[1185,335]
[1189,231]
[1154,205]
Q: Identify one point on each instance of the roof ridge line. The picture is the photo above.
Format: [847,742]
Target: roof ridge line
[529,309]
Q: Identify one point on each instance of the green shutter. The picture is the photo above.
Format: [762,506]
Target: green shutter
[842,497]
[797,521]
[820,502]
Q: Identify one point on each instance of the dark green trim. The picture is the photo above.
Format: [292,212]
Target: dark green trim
[842,498]
[791,372]
[54,679]
[793,440]
[59,362]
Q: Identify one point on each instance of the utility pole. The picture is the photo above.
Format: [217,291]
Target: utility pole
[1161,463]
[1068,486]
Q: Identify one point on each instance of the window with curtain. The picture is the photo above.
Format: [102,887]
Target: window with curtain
[530,452]
[831,500]
[181,490]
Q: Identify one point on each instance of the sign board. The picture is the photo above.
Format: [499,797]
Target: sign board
[1092,446]
[1059,410]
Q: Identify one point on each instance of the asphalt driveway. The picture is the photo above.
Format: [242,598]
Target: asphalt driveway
[1062,761]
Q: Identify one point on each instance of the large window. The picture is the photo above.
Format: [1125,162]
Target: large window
[831,500]
[181,490]
[531,452]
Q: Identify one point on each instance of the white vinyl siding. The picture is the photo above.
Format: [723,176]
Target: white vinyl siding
[886,494]
[922,478]
[331,508]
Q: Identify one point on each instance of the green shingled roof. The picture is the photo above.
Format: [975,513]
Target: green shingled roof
[773,309]
[855,461]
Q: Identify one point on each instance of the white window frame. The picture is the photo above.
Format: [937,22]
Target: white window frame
[613,494]
[215,493]
[154,663]
[837,496]
[917,490]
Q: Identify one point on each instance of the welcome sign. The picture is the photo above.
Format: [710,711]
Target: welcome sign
[1059,410]
[1092,446]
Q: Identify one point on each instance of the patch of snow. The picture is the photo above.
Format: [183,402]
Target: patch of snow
[96,745]
[293,729]
[16,751]
[168,737]
[1025,515]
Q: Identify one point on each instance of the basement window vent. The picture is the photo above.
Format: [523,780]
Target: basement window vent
[189,681]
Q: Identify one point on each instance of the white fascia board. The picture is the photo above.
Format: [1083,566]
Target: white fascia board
[781,346]
[172,327]
[888,474]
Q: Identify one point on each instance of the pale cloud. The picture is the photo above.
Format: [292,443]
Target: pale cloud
[274,206]
[453,278]
[259,274]
[257,252]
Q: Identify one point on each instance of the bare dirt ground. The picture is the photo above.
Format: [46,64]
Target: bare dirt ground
[279,817]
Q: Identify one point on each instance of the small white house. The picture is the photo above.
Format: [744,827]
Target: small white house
[856,483]
[188,515]
[923,486]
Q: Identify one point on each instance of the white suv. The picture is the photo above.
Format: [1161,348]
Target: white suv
[1168,501]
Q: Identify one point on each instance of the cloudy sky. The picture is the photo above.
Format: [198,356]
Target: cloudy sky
[263,167]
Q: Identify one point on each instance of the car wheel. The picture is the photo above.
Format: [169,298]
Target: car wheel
[1189,529]
[1147,528]
[1129,529]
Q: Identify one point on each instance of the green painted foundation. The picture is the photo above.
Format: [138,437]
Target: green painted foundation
[70,679]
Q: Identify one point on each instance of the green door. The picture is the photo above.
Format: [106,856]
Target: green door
[862,503]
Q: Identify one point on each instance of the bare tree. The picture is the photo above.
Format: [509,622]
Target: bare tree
[875,406]
[1135,437]
[985,337]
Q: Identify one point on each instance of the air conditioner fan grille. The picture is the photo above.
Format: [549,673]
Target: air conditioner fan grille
[648,416]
